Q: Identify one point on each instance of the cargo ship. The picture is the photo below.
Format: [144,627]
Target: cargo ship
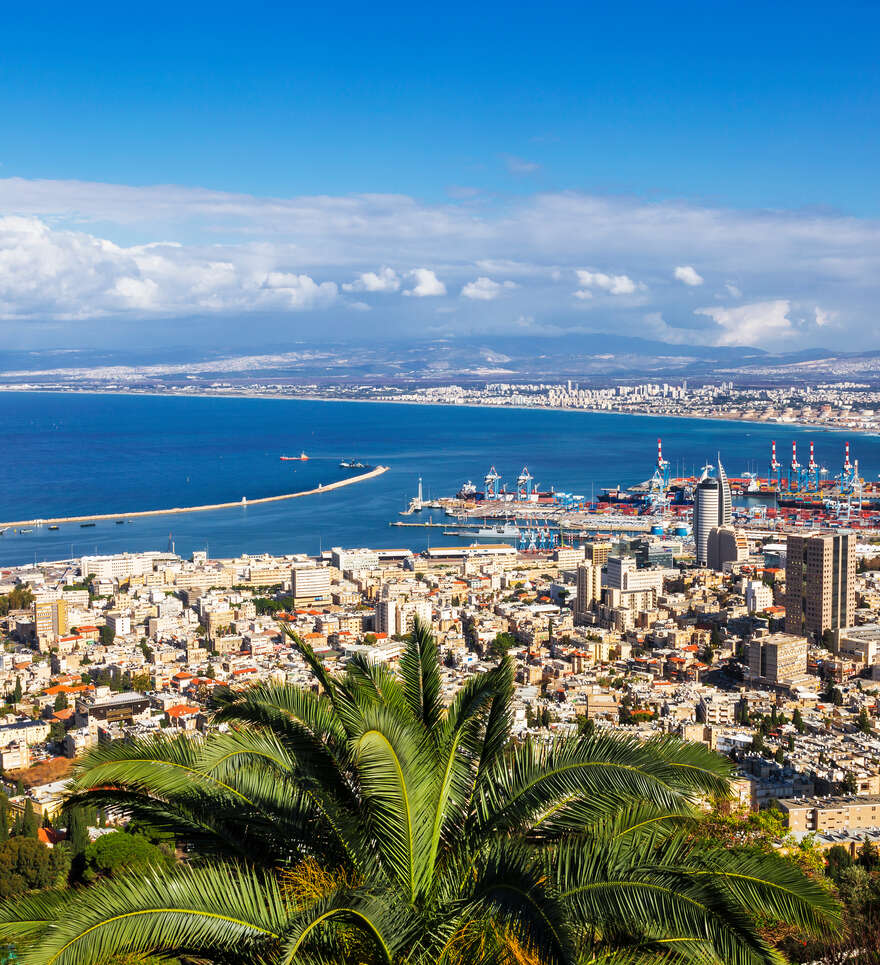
[302,457]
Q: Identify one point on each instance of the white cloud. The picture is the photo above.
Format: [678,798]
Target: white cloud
[427,284]
[385,280]
[824,317]
[688,275]
[654,326]
[519,166]
[485,289]
[81,251]
[613,284]
[758,324]
[47,273]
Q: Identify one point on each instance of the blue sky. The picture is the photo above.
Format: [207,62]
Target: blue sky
[737,114]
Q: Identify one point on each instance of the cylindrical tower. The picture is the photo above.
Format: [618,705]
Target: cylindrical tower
[706,508]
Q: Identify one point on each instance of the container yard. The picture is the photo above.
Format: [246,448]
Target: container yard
[799,496]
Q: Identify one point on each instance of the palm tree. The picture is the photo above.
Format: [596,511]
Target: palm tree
[364,821]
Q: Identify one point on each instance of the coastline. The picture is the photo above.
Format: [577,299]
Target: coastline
[284,397]
[243,502]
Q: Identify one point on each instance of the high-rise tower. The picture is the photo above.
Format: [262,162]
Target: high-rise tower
[725,502]
[706,503]
[713,507]
[819,582]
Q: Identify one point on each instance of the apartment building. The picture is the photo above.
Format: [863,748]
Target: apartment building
[819,582]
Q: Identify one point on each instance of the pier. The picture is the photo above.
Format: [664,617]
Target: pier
[244,502]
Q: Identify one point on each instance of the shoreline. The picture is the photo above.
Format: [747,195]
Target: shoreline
[244,502]
[283,397]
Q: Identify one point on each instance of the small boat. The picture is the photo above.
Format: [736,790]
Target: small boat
[85,525]
[302,457]
[25,531]
[120,522]
[53,527]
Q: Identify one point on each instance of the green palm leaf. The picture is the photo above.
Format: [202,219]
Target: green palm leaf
[211,910]
[390,830]
[420,671]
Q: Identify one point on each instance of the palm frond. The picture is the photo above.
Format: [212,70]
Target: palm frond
[324,930]
[280,707]
[606,774]
[419,669]
[511,889]
[211,909]
[394,765]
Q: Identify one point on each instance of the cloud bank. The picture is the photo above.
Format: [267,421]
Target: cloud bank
[109,256]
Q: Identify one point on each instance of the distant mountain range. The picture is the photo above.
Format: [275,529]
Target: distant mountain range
[472,359]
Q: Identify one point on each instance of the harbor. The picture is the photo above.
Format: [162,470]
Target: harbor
[799,496]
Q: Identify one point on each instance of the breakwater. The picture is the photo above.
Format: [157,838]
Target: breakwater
[243,502]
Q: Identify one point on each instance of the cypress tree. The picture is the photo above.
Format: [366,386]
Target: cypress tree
[4,818]
[29,823]
[77,841]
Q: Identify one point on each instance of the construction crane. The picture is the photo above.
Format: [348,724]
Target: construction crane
[794,470]
[775,467]
[492,484]
[660,479]
[812,472]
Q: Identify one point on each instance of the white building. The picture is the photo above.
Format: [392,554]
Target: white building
[758,596]
[310,583]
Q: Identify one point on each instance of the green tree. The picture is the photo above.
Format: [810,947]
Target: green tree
[25,864]
[864,723]
[19,598]
[108,635]
[77,839]
[501,644]
[368,822]
[849,785]
[17,692]
[586,725]
[28,824]
[61,702]
[797,719]
[869,857]
[118,852]
[838,859]
[4,817]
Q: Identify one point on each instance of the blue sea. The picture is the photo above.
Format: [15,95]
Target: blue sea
[66,455]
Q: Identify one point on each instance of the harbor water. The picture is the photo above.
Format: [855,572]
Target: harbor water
[78,454]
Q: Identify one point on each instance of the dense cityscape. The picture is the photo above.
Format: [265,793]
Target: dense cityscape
[440,484]
[108,647]
[851,405]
